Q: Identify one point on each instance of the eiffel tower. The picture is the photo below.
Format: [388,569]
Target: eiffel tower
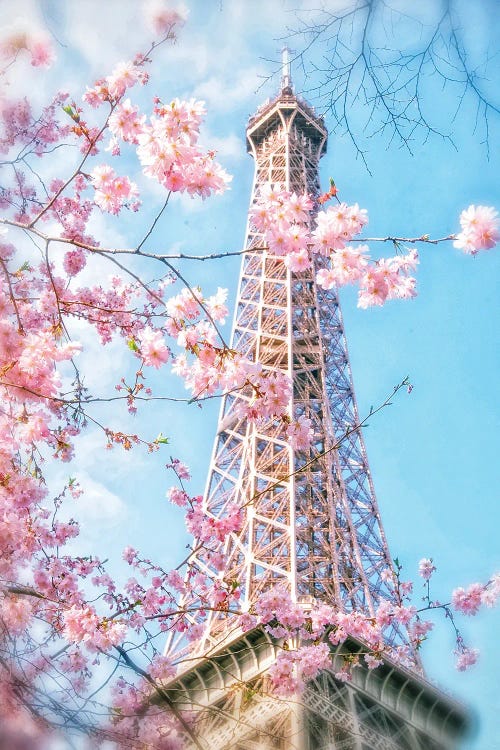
[312,521]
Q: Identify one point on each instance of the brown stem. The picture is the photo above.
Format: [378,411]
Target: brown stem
[12,297]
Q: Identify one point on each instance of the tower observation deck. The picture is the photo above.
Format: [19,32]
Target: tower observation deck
[312,523]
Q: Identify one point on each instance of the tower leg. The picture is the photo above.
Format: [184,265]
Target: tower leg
[356,739]
[298,734]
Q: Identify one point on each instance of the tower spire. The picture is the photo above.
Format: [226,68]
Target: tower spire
[286,76]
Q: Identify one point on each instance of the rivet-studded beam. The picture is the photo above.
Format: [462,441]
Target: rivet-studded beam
[389,708]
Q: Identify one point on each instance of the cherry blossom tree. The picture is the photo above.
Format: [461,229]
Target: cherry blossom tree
[79,650]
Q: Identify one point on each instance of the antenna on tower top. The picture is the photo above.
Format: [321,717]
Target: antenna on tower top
[286,78]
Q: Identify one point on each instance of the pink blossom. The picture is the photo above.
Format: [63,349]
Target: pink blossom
[37,44]
[299,207]
[177,496]
[480,229]
[153,349]
[74,261]
[185,305]
[35,428]
[406,587]
[312,659]
[320,616]
[298,261]
[344,675]
[336,226]
[385,613]
[75,489]
[283,674]
[175,580]
[372,661]
[274,392]
[467,601]
[326,278]
[162,17]
[15,613]
[349,263]
[491,592]
[216,305]
[272,604]
[374,288]
[247,621]
[387,575]
[404,614]
[204,526]
[124,76]
[196,631]
[300,433]
[80,624]
[292,669]
[111,191]
[168,150]
[426,568]
[161,668]
[282,217]
[181,469]
[126,123]
[41,51]
[74,661]
[419,628]
[129,555]
[466,657]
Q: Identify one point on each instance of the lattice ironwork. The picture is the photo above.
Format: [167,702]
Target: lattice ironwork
[312,521]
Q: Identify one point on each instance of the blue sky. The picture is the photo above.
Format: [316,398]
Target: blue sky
[433,454]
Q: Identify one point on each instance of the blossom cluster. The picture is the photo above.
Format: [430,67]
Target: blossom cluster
[283,220]
[36,44]
[82,624]
[468,601]
[167,142]
[22,130]
[45,590]
[426,568]
[168,150]
[313,627]
[112,88]
[480,229]
[206,527]
[207,367]
[466,657]
[294,668]
[316,628]
[113,192]
[162,18]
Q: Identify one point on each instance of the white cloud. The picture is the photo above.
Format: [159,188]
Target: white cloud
[94,459]
[226,147]
[88,30]
[222,92]
[101,367]
[98,504]
[190,205]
